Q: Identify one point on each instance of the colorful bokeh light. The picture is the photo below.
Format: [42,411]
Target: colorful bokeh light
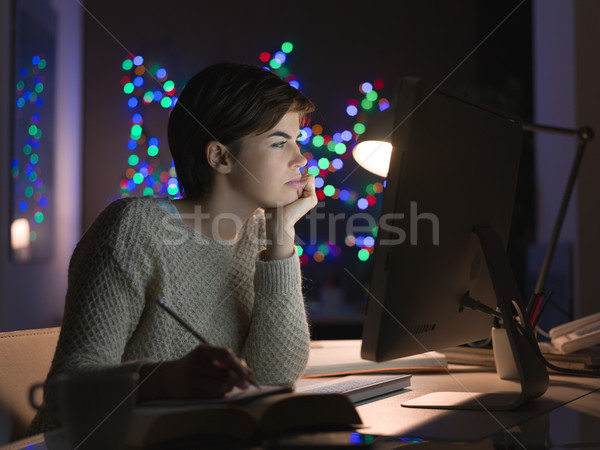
[145,88]
[26,166]
[327,153]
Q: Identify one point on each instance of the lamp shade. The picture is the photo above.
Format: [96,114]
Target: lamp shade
[374,149]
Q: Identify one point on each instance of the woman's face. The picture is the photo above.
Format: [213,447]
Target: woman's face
[266,171]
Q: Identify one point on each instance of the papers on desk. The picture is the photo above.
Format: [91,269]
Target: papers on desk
[588,359]
[335,358]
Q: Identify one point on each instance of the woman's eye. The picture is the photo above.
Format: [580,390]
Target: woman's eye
[280,144]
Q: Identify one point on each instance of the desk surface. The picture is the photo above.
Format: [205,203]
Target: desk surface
[568,413]
[575,397]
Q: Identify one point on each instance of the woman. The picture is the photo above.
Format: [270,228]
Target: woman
[223,257]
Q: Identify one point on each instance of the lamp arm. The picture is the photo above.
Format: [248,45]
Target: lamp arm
[584,135]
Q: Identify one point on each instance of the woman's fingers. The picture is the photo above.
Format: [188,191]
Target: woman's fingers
[307,199]
[214,382]
[222,362]
[308,185]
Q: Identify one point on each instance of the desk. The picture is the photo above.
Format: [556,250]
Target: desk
[568,413]
[574,398]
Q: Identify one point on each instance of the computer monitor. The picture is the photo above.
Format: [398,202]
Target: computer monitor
[442,236]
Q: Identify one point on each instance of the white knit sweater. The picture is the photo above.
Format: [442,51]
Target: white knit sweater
[138,251]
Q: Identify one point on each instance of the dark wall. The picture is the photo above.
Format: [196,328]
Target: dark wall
[336,48]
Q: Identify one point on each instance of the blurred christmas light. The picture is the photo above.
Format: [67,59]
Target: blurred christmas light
[326,152]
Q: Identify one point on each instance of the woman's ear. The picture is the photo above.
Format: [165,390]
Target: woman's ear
[218,157]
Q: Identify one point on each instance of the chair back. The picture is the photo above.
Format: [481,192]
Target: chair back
[25,358]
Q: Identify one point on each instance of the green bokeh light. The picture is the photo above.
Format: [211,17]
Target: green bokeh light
[317,141]
[359,128]
[340,148]
[366,104]
[136,132]
[314,170]
[127,64]
[323,163]
[329,190]
[165,102]
[169,86]
[287,47]
[283,72]
[363,254]
[133,160]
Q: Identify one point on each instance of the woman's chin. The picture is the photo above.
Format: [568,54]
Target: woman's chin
[281,202]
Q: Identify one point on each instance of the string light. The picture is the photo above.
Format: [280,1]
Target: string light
[139,144]
[326,153]
[30,160]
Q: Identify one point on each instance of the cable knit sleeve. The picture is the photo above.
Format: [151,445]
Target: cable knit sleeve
[105,300]
[278,340]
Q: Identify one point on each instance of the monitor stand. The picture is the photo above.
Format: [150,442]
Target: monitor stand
[532,373]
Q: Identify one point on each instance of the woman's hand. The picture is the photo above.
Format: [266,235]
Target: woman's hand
[280,221]
[205,372]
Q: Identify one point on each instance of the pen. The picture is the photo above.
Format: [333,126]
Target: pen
[194,333]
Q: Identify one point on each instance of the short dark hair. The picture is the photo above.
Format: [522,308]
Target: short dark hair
[225,102]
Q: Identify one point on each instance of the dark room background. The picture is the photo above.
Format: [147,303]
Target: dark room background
[336,47]
[530,58]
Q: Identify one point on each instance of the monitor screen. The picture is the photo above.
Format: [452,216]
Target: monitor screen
[453,168]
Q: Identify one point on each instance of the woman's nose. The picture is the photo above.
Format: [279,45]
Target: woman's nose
[299,160]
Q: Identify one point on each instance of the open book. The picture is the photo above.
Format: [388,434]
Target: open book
[342,357]
[242,417]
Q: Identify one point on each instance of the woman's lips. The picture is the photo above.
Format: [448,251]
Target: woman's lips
[294,184]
